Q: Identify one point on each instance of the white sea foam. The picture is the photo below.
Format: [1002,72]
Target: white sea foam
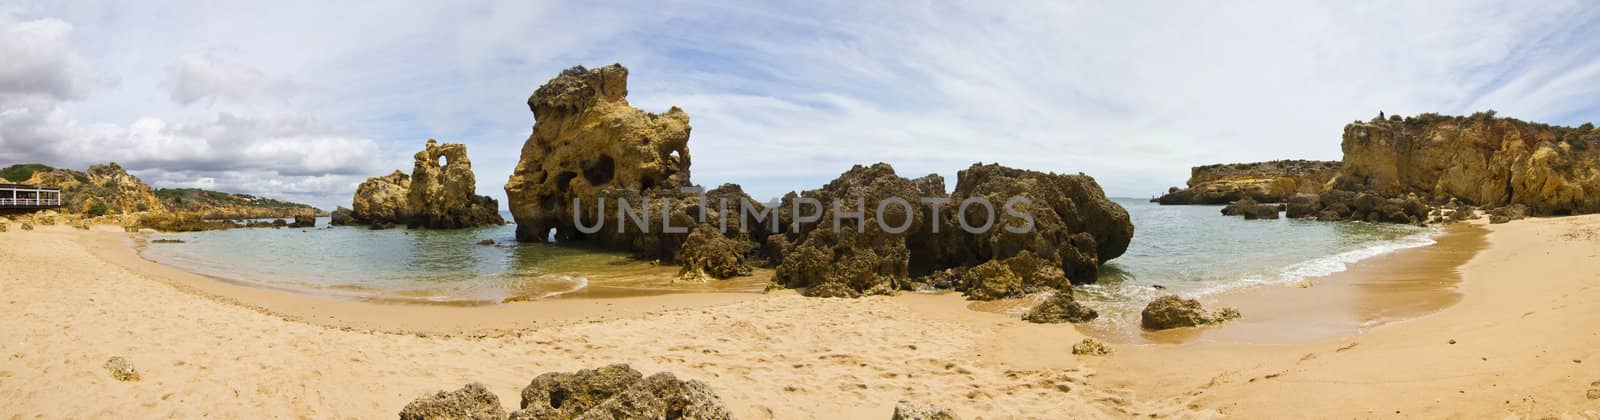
[1327,265]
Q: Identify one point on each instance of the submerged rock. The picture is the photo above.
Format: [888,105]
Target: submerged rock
[1059,308]
[471,402]
[1170,311]
[911,410]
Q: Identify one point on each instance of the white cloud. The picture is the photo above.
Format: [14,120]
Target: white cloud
[781,97]
[197,78]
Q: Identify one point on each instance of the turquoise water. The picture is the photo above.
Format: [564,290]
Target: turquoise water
[1189,250]
[1193,251]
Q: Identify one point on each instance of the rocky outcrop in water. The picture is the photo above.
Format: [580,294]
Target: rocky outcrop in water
[1480,160]
[1251,210]
[440,193]
[1171,311]
[443,191]
[1265,182]
[586,138]
[382,199]
[625,166]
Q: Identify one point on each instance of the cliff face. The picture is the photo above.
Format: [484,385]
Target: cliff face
[440,193]
[104,189]
[587,138]
[1481,160]
[1267,182]
[221,205]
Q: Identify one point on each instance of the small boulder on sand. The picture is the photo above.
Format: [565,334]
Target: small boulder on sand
[1091,347]
[27,226]
[1060,308]
[910,410]
[121,369]
[472,401]
[1170,311]
[615,392]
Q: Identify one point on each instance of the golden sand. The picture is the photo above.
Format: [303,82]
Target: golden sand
[1526,335]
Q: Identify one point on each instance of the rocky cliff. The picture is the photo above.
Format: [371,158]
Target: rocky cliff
[221,205]
[1265,182]
[103,189]
[1480,160]
[440,193]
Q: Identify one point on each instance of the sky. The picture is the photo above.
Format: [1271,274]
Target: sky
[302,100]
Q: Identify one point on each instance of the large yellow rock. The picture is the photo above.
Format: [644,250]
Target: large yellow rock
[586,138]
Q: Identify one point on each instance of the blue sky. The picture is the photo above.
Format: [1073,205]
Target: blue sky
[303,100]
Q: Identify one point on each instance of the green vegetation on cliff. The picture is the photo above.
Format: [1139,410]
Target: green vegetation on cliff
[221,205]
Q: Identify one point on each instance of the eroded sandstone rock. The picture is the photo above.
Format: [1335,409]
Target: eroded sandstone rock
[587,138]
[568,395]
[618,392]
[121,369]
[1172,311]
[440,193]
[382,199]
[471,402]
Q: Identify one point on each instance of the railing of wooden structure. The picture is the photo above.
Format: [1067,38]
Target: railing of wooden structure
[28,196]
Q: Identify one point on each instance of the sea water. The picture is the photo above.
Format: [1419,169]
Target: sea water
[1194,251]
[1188,250]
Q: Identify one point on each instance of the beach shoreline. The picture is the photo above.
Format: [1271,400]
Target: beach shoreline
[209,347]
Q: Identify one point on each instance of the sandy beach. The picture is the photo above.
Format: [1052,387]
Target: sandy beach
[1494,321]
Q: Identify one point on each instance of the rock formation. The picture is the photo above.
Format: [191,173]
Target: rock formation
[1060,308]
[1251,210]
[1171,311]
[382,199]
[587,138]
[440,193]
[1265,182]
[616,392]
[103,189]
[622,164]
[1480,160]
[471,402]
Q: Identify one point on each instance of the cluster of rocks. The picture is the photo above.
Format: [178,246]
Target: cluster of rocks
[1251,210]
[610,392]
[594,166]
[1171,311]
[440,193]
